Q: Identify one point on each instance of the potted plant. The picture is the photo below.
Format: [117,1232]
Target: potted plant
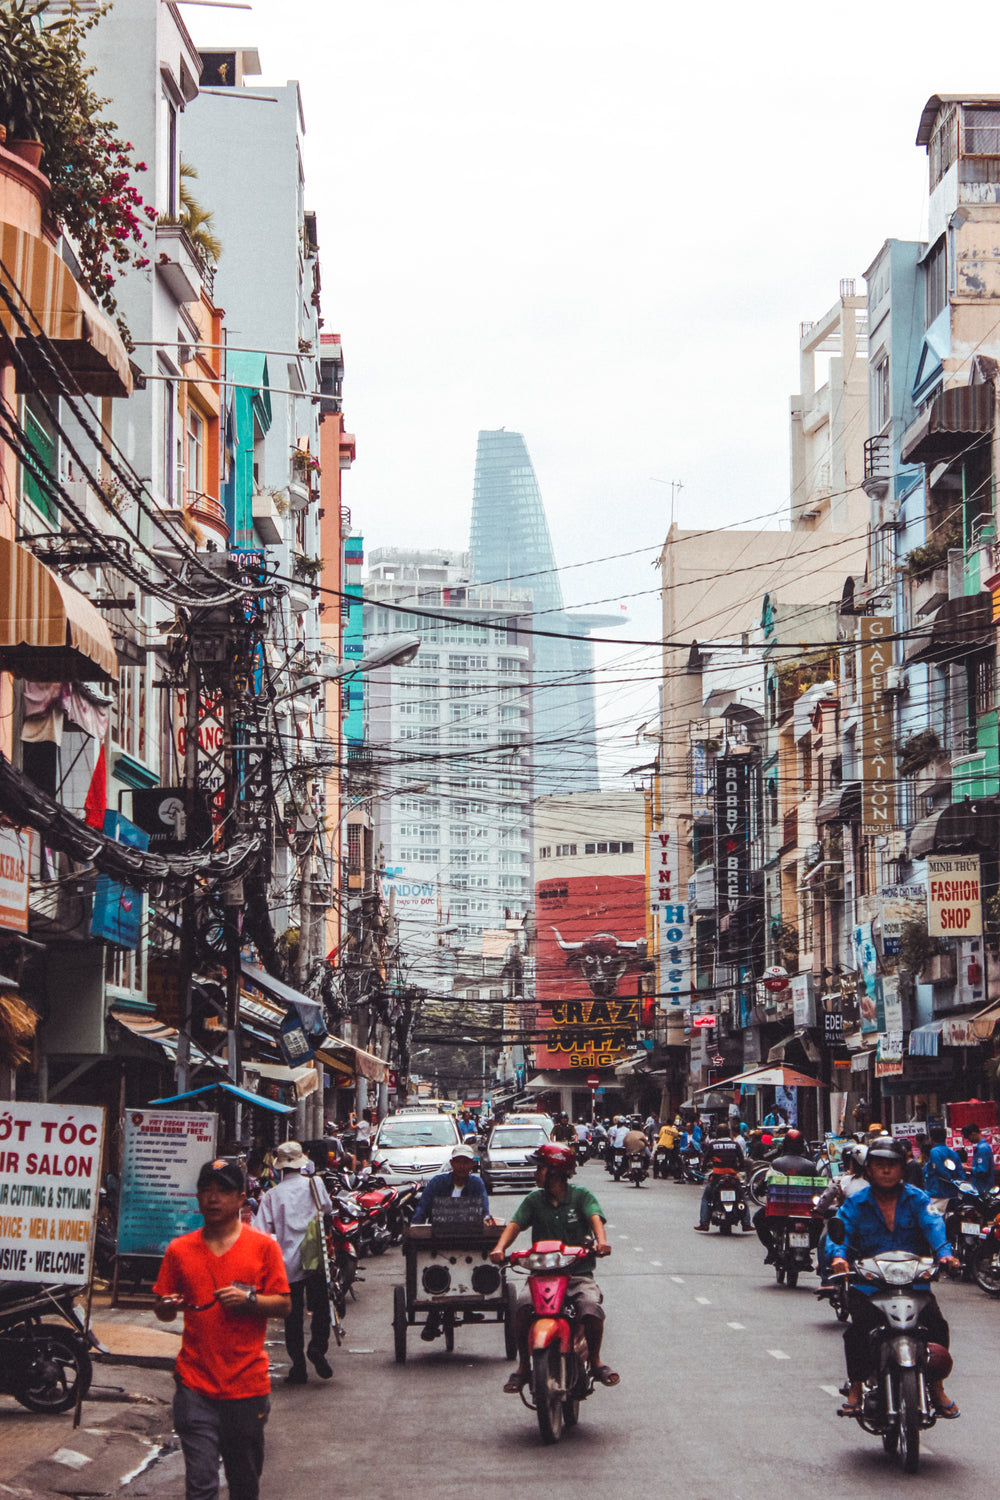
[46,99]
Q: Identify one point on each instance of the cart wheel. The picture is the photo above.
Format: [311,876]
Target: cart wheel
[449,1331]
[399,1322]
[509,1333]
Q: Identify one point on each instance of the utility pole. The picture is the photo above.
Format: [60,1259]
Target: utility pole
[187,942]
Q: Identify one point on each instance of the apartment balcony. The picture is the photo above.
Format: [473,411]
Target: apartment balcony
[208,513]
[929,593]
[878,465]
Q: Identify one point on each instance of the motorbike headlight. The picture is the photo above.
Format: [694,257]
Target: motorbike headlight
[898,1272]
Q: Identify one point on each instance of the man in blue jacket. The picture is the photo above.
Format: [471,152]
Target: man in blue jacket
[889,1214]
[943,1170]
[983,1173]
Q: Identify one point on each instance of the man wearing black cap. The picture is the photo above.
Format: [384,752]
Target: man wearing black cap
[228,1279]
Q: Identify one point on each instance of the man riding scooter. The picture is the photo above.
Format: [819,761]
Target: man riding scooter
[724,1158]
[794,1161]
[559,1210]
[889,1214]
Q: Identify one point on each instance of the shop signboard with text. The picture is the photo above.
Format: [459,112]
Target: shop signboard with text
[591,957]
[50,1178]
[954,896]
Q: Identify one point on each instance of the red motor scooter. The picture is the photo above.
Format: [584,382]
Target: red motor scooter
[560,1364]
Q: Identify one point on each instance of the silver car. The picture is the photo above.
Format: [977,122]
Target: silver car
[505,1162]
[415,1145]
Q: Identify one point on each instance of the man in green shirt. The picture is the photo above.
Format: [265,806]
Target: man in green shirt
[559,1210]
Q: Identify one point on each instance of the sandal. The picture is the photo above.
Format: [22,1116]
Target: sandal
[514,1384]
[949,1412]
[605,1375]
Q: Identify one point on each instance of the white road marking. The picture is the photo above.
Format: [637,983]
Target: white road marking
[705,1301]
[778,1354]
[638,1249]
[623,1236]
[361,1351]
[679,1279]
[739,1326]
[831,1390]
[656,1263]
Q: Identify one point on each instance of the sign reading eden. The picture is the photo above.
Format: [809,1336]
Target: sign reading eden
[954,896]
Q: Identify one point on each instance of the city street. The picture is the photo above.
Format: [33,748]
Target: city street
[728,1387]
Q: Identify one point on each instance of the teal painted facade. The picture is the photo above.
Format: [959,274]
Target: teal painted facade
[353,725]
[249,413]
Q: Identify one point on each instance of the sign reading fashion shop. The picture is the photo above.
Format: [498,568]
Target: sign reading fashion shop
[954,896]
[732,833]
[50,1176]
[878,757]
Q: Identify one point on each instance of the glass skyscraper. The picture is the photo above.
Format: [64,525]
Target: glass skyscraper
[510,542]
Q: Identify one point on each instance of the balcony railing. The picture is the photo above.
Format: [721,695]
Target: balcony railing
[878,459]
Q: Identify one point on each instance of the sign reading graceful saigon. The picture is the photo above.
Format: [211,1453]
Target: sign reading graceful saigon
[50,1176]
[591,954]
[878,756]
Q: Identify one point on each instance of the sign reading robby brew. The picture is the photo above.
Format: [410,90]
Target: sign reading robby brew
[732,833]
[878,758]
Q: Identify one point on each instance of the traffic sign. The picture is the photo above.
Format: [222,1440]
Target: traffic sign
[594,1081]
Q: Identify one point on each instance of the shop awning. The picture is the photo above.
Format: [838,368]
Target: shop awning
[51,302]
[346,1058]
[237,1093]
[960,828]
[842,806]
[984,1022]
[958,628]
[953,419]
[951,1031]
[49,631]
[770,1077]
[310,1012]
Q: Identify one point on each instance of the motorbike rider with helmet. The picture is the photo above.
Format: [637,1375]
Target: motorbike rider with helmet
[724,1158]
[559,1210]
[636,1142]
[851,1180]
[794,1161]
[888,1214]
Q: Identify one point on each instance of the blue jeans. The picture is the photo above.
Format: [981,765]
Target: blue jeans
[230,1430]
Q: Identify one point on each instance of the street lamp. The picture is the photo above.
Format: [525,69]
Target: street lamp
[396,652]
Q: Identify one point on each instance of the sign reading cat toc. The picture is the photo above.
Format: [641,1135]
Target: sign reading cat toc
[954,896]
[50,1173]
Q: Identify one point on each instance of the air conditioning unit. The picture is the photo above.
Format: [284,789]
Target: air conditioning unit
[895,680]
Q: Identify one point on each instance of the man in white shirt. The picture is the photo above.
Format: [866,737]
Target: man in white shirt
[285,1213]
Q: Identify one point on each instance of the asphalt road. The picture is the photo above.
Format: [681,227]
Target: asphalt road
[728,1387]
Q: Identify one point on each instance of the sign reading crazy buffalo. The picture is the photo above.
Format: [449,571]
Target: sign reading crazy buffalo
[591,954]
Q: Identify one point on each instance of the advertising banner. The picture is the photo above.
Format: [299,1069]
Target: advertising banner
[50,1177]
[803,1001]
[591,955]
[15,862]
[900,904]
[954,896]
[211,739]
[732,833]
[164,1151]
[413,894]
[117,914]
[878,756]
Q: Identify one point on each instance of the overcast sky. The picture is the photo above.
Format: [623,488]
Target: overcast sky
[600,226]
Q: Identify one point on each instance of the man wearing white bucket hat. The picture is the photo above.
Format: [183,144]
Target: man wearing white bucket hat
[285,1212]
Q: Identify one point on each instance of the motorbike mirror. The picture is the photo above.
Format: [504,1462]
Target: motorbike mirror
[836,1232]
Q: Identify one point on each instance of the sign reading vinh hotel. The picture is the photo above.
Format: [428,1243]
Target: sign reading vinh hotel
[878,758]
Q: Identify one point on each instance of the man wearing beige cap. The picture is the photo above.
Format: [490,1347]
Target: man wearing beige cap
[285,1213]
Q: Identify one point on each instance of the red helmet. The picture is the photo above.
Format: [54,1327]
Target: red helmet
[560,1158]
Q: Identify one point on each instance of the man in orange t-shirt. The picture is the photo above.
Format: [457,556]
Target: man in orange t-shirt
[228,1279]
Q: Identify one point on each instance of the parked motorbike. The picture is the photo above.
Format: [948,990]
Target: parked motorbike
[757,1181]
[895,1403]
[561,1376]
[43,1364]
[638,1168]
[660,1157]
[968,1221]
[727,1203]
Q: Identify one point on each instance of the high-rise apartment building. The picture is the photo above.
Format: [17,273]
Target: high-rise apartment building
[456,723]
[510,542]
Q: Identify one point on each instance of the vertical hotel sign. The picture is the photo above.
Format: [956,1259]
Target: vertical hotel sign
[670,918]
[732,833]
[878,758]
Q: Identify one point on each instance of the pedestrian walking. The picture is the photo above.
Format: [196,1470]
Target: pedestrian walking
[228,1279]
[286,1212]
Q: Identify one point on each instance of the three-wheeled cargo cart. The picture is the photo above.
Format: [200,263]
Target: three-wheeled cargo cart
[449,1273]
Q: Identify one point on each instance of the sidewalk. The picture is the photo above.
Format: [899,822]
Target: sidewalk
[124,1419]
